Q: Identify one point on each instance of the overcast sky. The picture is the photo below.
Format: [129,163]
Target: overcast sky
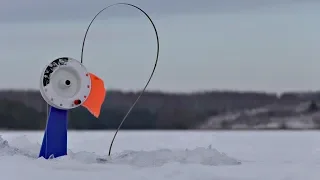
[212,44]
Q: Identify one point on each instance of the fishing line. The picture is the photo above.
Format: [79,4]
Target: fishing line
[154,67]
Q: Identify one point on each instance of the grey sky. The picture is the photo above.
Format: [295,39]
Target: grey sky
[32,10]
[247,45]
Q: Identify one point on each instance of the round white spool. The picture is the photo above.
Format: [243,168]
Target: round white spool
[65,83]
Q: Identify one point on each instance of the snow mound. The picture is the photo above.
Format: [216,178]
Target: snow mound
[200,155]
[205,156]
[26,148]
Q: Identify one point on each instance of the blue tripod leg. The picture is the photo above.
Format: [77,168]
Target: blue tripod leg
[54,141]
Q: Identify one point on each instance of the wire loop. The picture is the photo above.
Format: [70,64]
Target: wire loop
[151,75]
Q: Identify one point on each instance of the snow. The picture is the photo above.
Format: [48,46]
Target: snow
[291,115]
[169,155]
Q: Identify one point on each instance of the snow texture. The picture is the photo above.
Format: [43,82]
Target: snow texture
[274,116]
[163,155]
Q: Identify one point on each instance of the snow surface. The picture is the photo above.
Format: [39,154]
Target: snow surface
[169,155]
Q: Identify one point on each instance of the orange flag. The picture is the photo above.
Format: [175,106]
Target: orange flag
[96,96]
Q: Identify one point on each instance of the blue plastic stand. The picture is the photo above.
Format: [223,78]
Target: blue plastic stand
[54,143]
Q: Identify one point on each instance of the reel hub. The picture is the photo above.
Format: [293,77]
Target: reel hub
[65,83]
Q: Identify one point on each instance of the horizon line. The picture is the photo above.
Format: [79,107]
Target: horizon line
[185,92]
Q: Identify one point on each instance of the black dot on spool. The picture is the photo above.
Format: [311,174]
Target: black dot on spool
[67,82]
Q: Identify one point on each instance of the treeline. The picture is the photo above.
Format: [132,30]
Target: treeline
[26,110]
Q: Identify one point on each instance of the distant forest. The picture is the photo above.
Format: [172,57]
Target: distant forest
[26,110]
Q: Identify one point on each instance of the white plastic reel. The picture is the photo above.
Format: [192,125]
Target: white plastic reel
[65,83]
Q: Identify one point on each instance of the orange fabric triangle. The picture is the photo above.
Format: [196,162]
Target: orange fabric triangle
[96,96]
